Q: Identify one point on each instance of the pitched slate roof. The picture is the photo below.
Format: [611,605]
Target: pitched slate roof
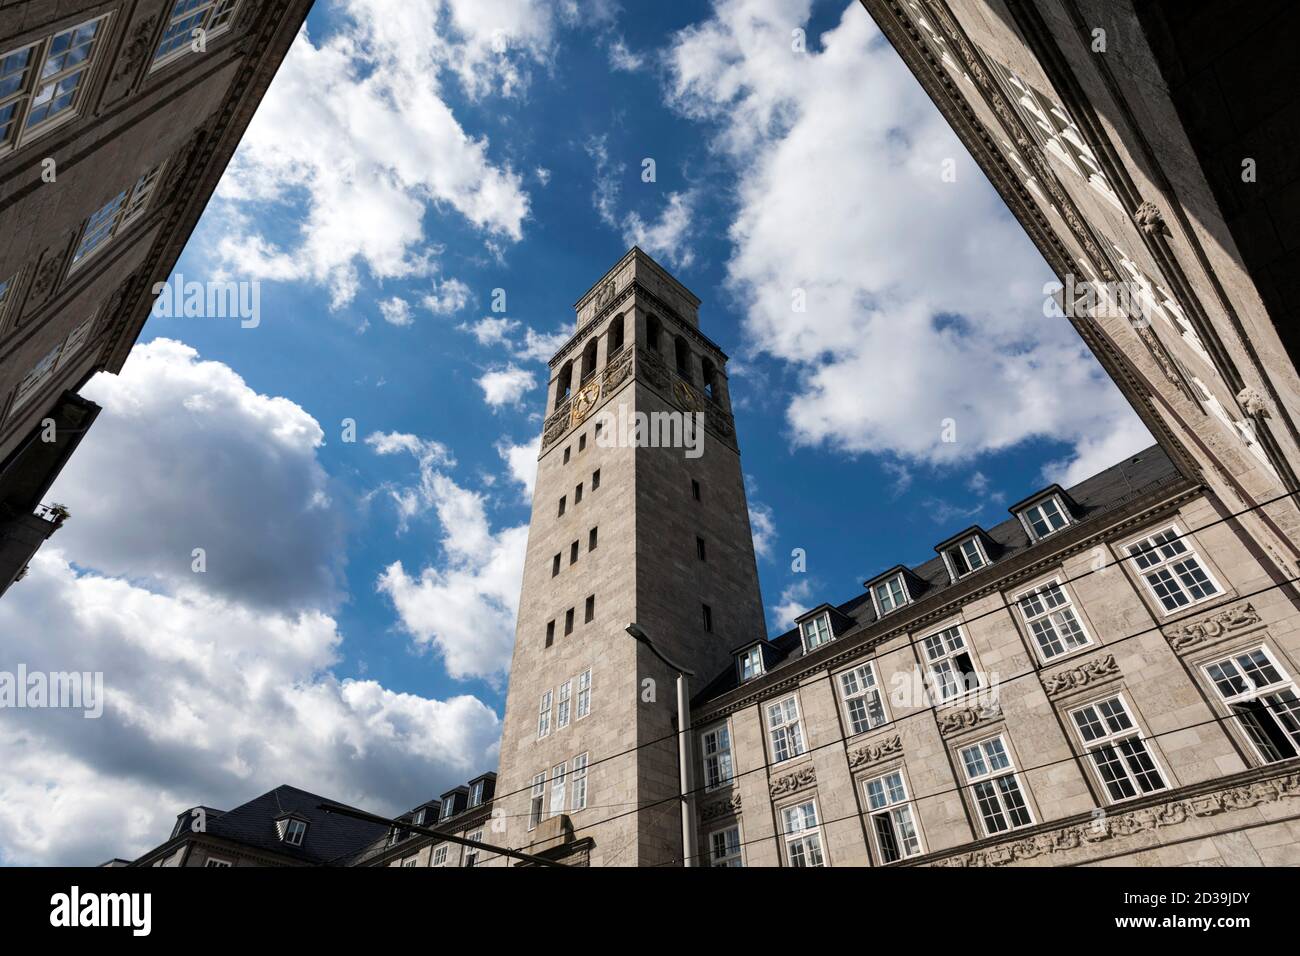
[1113,488]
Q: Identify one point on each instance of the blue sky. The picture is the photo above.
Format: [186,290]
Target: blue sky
[408,162]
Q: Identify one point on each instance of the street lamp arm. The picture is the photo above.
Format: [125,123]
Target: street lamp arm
[638,633]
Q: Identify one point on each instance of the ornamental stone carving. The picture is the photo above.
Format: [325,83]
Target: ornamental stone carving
[47,277]
[1252,402]
[653,368]
[616,372]
[792,782]
[131,58]
[1183,636]
[1081,675]
[873,752]
[955,721]
[1149,218]
[1145,820]
[721,808]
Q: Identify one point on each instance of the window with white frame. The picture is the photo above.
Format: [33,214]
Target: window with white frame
[1052,621]
[967,557]
[294,832]
[724,848]
[559,773]
[188,20]
[52,361]
[952,669]
[1172,571]
[440,855]
[992,776]
[476,794]
[751,663]
[816,631]
[890,594]
[785,729]
[411,861]
[578,797]
[116,215]
[715,745]
[544,716]
[863,702]
[1244,429]
[802,835]
[537,800]
[1116,748]
[893,822]
[1262,695]
[216,862]
[419,818]
[1045,517]
[584,693]
[448,807]
[44,83]
[472,852]
[562,705]
[6,294]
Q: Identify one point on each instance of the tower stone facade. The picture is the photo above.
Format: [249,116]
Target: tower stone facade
[639,515]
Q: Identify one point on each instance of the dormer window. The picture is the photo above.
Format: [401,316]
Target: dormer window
[419,818]
[1045,517]
[476,794]
[448,805]
[751,663]
[890,594]
[292,830]
[816,631]
[967,557]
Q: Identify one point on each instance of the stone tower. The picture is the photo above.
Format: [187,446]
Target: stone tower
[624,529]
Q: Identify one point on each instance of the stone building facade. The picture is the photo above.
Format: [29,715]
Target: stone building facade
[117,119]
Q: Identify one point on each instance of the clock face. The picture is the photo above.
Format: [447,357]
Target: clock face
[584,401]
[686,397]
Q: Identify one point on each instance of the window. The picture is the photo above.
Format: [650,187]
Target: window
[6,293]
[591,540]
[715,744]
[449,803]
[562,706]
[751,663]
[652,331]
[615,337]
[42,85]
[1263,697]
[890,594]
[724,848]
[589,612]
[187,16]
[558,773]
[1172,571]
[577,494]
[816,631]
[440,855]
[682,353]
[595,477]
[1051,619]
[51,362]
[294,831]
[708,617]
[419,819]
[555,565]
[803,838]
[967,557]
[993,782]
[411,861]
[695,489]
[952,671]
[476,794]
[784,729]
[544,716]
[472,852]
[1045,518]
[560,514]
[567,452]
[578,799]
[582,443]
[550,633]
[892,821]
[537,800]
[215,862]
[862,699]
[573,553]
[699,548]
[115,215]
[1117,750]
[584,694]
[568,622]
